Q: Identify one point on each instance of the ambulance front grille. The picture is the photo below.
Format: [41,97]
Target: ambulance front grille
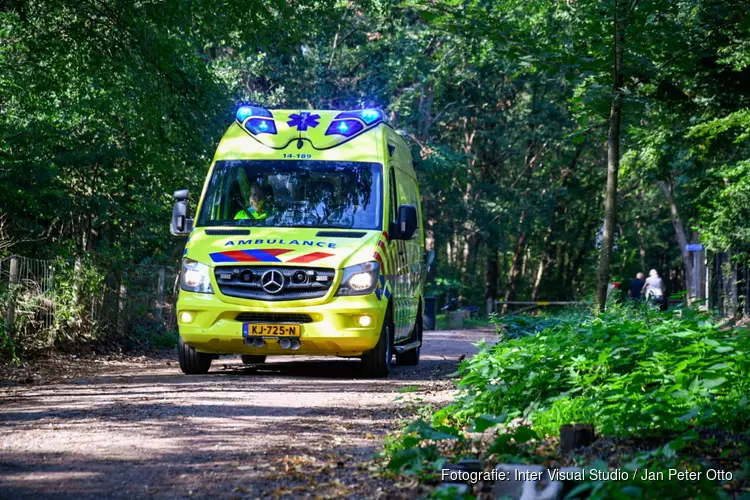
[340,234]
[244,282]
[265,317]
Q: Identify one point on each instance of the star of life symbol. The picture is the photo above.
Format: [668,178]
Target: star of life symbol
[303,120]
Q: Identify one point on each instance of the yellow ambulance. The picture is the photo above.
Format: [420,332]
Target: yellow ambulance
[307,240]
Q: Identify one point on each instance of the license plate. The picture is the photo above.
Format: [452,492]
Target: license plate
[261,330]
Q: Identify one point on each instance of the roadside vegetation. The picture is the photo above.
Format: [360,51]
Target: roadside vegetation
[662,390]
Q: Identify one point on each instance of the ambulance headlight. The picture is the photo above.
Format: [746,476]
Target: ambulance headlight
[360,279]
[195,277]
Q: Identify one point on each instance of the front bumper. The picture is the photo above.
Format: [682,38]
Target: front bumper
[214,328]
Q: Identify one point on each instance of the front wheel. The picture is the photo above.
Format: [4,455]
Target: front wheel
[192,362]
[376,363]
[411,358]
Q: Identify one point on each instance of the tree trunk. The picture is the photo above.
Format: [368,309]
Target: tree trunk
[613,162]
[515,267]
[492,277]
[543,260]
[539,275]
[679,230]
[641,244]
[576,265]
[475,241]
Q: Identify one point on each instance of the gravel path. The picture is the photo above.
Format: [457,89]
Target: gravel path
[294,428]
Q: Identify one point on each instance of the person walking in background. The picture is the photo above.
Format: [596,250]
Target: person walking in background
[653,290]
[636,287]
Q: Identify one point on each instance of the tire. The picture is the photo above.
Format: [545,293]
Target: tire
[376,363]
[192,362]
[250,359]
[411,358]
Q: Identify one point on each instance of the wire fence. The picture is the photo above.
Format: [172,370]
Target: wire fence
[728,284]
[43,301]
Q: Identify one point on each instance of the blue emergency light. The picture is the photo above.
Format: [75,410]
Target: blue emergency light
[261,126]
[369,116]
[256,120]
[349,123]
[245,112]
[347,128]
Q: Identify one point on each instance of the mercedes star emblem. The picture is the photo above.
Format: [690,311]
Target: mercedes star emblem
[272,282]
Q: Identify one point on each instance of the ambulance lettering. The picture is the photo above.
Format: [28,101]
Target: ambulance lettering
[274,241]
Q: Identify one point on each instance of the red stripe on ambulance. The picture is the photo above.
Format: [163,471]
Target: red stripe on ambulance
[311,257]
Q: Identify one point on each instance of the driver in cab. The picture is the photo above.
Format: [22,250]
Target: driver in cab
[260,204]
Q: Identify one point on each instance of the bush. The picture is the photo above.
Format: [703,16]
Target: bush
[627,371]
[7,345]
[652,377]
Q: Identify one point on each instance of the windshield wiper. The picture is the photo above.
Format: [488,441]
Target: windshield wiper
[231,223]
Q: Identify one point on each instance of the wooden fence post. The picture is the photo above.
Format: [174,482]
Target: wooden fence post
[160,294]
[77,272]
[10,314]
[490,306]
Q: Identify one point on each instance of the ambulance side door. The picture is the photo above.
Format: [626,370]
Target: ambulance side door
[412,258]
[399,260]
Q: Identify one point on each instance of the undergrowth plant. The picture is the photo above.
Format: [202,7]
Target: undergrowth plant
[627,371]
[632,372]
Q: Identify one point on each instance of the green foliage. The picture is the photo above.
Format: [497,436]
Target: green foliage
[416,449]
[33,311]
[649,476]
[627,371]
[520,325]
[448,493]
[725,212]
[75,289]
[7,344]
[154,336]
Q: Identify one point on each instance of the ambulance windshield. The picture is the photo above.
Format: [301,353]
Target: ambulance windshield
[285,193]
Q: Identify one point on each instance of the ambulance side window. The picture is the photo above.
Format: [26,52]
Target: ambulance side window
[393,196]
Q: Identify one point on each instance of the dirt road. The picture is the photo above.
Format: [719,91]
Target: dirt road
[296,427]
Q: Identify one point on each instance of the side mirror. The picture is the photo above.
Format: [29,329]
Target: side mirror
[180,225]
[407,222]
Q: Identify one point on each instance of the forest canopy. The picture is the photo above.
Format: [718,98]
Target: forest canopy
[108,106]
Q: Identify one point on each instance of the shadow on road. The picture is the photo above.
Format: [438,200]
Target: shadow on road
[147,430]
